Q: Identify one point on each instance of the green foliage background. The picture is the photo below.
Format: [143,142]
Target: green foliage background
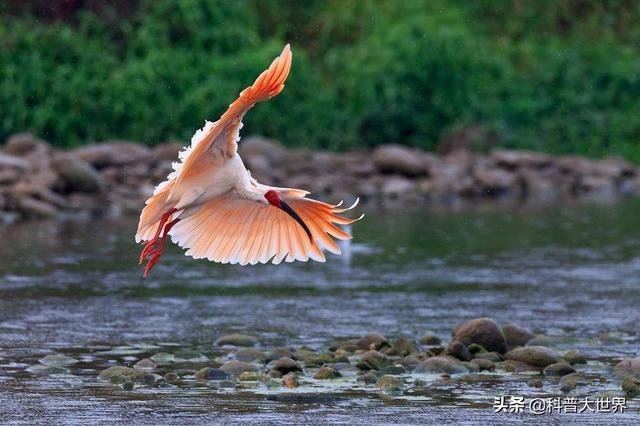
[558,76]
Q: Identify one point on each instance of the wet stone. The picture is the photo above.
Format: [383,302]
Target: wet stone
[236,340]
[374,341]
[250,376]
[628,367]
[171,377]
[285,365]
[372,360]
[516,336]
[394,370]
[290,380]
[389,383]
[430,340]
[128,385]
[186,355]
[574,357]
[475,348]
[403,346]
[45,370]
[278,353]
[491,356]
[235,367]
[538,356]
[558,369]
[441,364]
[327,373]
[163,358]
[145,365]
[118,374]
[631,386]
[368,378]
[459,350]
[58,360]
[484,364]
[249,354]
[483,331]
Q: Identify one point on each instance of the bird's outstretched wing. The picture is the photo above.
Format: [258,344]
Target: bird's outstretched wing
[220,138]
[233,229]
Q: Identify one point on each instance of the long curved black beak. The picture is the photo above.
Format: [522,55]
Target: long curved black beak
[287,209]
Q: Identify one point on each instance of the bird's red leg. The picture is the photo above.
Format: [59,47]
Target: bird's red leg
[154,247]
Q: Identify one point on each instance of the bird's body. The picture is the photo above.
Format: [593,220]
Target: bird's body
[212,206]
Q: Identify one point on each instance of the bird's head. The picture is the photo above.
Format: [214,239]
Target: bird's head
[274,199]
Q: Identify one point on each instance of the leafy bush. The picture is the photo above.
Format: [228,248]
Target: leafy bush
[563,78]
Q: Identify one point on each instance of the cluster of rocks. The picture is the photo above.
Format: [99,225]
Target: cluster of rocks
[115,177]
[397,365]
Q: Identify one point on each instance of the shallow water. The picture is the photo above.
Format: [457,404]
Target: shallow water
[75,288]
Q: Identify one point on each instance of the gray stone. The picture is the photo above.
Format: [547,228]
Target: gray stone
[574,357]
[484,364]
[250,354]
[516,336]
[286,365]
[459,350]
[374,341]
[278,353]
[558,369]
[404,346]
[236,340]
[327,373]
[389,383]
[441,364]
[77,174]
[539,356]
[372,360]
[235,367]
[145,365]
[290,380]
[628,367]
[59,360]
[430,340]
[482,331]
[631,386]
[399,159]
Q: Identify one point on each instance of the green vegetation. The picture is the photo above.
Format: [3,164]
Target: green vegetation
[561,76]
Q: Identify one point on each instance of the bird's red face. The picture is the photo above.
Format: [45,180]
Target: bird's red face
[274,199]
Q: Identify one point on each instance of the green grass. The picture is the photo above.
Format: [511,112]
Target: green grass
[559,77]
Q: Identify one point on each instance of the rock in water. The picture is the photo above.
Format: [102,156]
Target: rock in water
[575,357]
[286,365]
[58,360]
[290,380]
[441,364]
[404,346]
[483,331]
[389,383]
[539,356]
[430,340]
[235,367]
[374,341]
[145,365]
[516,336]
[558,369]
[372,360]
[631,386]
[399,159]
[236,340]
[327,373]
[459,350]
[628,367]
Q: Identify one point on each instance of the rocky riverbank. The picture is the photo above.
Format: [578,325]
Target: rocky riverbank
[115,177]
[477,351]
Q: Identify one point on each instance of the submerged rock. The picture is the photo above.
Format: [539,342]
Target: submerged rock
[539,356]
[236,340]
[558,369]
[327,373]
[389,383]
[516,336]
[235,367]
[441,364]
[483,331]
[58,360]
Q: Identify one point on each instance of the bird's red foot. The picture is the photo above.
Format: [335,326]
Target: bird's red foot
[154,248]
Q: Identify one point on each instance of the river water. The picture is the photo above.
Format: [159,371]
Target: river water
[75,288]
